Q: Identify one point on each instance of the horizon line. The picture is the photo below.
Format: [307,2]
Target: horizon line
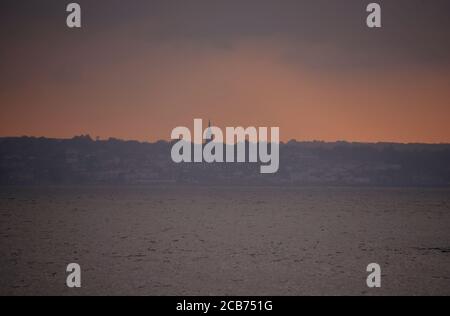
[98,139]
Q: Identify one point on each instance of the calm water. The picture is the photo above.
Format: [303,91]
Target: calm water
[223,240]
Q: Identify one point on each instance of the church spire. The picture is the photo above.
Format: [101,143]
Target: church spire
[209,134]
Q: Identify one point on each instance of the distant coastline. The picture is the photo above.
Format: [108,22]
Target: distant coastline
[314,141]
[82,160]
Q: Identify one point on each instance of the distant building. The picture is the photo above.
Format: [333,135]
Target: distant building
[209,134]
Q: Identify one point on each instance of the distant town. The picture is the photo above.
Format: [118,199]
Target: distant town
[85,161]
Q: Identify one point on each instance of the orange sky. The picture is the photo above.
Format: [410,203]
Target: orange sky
[145,97]
[119,84]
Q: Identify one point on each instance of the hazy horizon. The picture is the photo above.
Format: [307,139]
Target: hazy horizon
[168,140]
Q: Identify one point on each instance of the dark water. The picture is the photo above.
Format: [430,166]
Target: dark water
[224,240]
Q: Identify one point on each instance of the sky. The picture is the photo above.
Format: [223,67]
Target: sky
[139,68]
